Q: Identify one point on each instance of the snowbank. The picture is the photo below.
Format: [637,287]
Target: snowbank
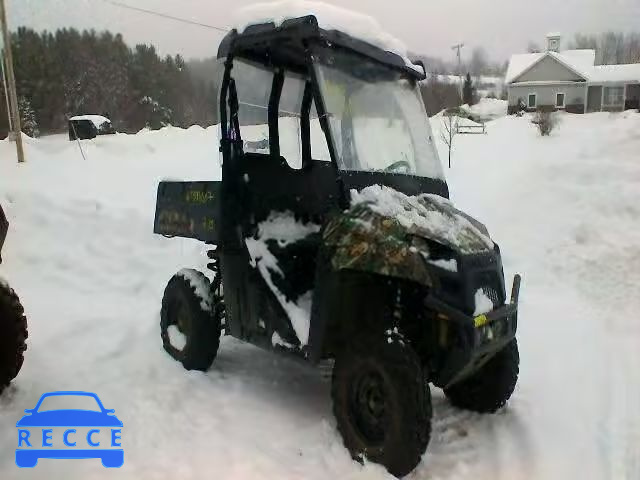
[487,109]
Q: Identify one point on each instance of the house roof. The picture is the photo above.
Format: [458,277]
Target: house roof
[579,61]
[615,73]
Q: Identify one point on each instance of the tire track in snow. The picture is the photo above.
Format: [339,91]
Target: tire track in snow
[468,445]
[620,422]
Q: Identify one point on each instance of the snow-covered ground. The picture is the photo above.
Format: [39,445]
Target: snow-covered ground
[81,253]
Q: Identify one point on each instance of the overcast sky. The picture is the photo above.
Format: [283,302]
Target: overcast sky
[426,26]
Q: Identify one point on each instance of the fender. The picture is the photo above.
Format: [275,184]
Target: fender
[363,240]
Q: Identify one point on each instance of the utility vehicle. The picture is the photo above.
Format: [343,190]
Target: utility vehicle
[332,238]
[13,323]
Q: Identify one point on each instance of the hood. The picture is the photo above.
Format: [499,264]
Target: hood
[427,216]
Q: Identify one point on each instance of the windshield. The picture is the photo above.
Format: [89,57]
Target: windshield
[376,116]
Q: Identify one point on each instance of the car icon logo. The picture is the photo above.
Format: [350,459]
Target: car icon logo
[69,433]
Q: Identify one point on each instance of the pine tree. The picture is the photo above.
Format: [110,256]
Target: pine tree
[468,94]
[28,117]
[71,72]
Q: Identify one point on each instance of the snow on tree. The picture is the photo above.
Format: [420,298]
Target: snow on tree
[155,114]
[28,117]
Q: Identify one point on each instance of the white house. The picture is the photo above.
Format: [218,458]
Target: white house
[569,80]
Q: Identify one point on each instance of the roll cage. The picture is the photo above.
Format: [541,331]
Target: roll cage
[293,47]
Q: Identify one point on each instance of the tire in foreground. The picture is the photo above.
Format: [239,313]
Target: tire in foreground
[13,335]
[382,403]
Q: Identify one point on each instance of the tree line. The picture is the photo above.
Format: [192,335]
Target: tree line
[65,73]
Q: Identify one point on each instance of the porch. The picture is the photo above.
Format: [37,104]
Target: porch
[612,97]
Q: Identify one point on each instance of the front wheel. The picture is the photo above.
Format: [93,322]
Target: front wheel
[382,403]
[489,388]
[13,335]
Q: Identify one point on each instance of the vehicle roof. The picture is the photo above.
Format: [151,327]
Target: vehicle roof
[285,44]
[97,120]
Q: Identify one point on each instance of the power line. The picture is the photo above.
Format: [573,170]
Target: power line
[166,16]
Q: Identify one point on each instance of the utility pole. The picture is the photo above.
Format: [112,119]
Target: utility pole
[6,89]
[458,47]
[11,80]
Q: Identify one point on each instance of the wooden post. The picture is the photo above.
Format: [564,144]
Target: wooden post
[6,89]
[11,80]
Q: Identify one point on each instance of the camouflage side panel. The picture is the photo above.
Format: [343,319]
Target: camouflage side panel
[370,242]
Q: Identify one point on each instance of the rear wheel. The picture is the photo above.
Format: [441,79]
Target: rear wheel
[489,388]
[13,335]
[190,320]
[382,403]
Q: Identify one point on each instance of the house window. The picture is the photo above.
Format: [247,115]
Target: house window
[560,100]
[613,96]
[531,101]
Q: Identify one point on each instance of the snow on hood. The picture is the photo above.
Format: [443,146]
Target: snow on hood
[428,216]
[329,17]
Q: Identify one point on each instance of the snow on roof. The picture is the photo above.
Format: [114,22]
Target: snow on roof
[581,59]
[578,60]
[330,17]
[615,73]
[519,63]
[97,120]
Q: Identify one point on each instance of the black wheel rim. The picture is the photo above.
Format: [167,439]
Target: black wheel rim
[368,406]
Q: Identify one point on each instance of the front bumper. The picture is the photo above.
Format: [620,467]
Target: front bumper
[478,337]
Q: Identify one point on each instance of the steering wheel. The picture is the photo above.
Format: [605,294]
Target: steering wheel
[400,164]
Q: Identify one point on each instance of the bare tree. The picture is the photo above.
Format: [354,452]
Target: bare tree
[439,94]
[584,42]
[533,47]
[632,53]
[449,130]
[545,121]
[610,47]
